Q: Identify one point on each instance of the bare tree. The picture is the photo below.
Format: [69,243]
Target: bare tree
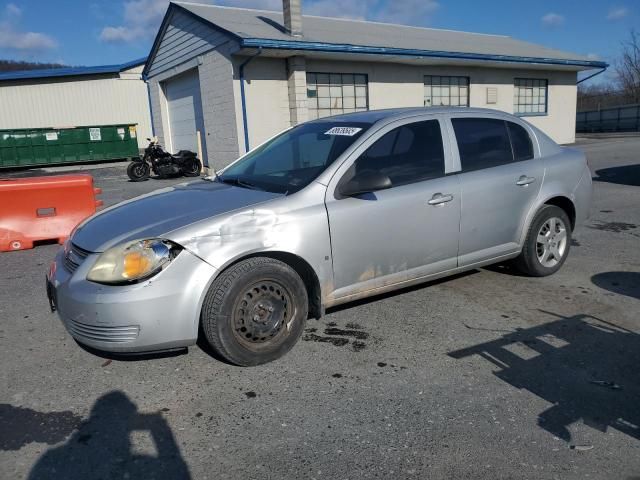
[628,67]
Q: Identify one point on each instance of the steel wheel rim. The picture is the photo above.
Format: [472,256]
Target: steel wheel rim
[551,242]
[262,314]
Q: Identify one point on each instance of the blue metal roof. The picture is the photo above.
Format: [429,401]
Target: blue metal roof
[70,71]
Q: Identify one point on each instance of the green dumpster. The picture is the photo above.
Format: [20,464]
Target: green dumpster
[52,146]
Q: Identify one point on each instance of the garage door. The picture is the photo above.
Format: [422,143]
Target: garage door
[185,111]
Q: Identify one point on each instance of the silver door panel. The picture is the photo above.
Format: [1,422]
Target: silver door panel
[394,235]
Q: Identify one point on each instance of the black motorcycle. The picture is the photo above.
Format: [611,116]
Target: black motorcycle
[163,164]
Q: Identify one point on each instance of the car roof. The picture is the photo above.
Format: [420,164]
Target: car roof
[374,116]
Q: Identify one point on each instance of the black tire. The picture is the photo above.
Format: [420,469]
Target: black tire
[138,171]
[191,167]
[529,261]
[255,311]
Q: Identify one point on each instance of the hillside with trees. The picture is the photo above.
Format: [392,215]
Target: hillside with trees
[16,65]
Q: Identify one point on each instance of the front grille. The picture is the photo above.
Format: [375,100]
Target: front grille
[74,257]
[111,334]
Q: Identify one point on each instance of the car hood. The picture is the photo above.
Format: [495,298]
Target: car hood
[162,211]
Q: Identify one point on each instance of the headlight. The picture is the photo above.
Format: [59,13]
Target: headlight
[133,261]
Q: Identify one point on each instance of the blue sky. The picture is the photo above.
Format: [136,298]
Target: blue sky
[97,32]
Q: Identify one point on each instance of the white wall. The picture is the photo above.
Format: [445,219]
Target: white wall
[398,85]
[77,101]
[267,97]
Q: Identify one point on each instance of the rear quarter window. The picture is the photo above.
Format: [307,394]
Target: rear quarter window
[521,141]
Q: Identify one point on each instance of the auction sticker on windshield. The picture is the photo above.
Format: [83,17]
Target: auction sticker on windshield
[345,131]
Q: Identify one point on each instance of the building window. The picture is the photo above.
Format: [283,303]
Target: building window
[336,93]
[445,91]
[530,96]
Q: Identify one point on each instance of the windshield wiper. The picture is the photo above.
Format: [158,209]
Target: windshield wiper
[239,182]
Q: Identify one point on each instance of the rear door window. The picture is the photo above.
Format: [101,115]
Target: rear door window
[408,154]
[521,141]
[482,143]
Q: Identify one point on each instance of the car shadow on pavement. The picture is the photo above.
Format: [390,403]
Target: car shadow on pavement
[623,175]
[101,448]
[505,268]
[586,367]
[134,357]
[622,283]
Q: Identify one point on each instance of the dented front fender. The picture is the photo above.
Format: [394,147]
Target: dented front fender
[296,224]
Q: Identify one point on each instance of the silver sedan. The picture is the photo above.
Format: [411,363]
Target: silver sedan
[324,213]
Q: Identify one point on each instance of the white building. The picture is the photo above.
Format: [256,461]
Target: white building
[239,76]
[76,96]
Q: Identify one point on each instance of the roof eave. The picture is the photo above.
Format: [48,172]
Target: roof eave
[70,71]
[133,63]
[416,53]
[163,26]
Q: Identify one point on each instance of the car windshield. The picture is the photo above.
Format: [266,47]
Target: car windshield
[293,159]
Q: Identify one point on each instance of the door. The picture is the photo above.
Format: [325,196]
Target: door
[184,108]
[500,179]
[404,232]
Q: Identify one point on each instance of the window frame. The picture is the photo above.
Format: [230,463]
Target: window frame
[330,85]
[431,77]
[516,97]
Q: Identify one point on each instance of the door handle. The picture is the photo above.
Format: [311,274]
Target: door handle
[440,199]
[523,181]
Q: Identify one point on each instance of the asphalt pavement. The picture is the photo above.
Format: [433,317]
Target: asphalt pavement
[487,375]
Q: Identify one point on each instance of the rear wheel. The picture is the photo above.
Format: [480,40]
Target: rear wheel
[255,311]
[191,167]
[138,171]
[547,244]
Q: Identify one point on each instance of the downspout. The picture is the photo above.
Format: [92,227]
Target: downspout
[145,79]
[243,99]
[153,128]
[592,75]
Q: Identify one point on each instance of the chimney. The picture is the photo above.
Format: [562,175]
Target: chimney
[292,11]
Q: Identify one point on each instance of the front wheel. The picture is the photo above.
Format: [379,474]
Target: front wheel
[547,244]
[255,311]
[191,167]
[138,171]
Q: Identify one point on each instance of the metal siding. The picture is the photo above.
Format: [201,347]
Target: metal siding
[84,101]
[183,39]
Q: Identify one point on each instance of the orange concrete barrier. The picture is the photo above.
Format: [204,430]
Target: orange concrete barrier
[43,208]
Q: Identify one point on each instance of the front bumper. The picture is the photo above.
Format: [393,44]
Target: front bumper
[157,314]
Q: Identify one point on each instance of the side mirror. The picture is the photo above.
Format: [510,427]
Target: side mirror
[365,182]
